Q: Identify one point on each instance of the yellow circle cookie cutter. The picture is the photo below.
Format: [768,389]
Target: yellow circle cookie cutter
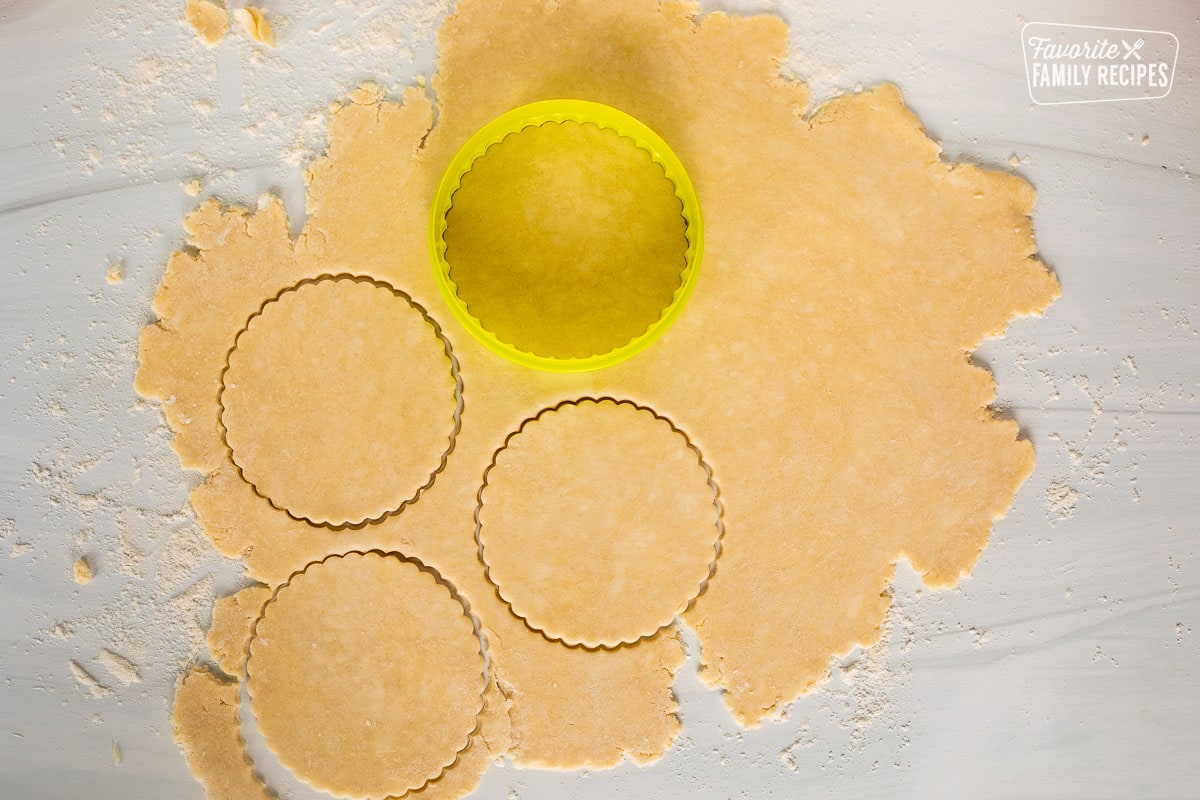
[540,113]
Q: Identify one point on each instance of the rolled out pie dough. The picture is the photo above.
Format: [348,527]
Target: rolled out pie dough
[233,619]
[205,723]
[598,522]
[566,240]
[366,675]
[206,717]
[821,365]
[340,401]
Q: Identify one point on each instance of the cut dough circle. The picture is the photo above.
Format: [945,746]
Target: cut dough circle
[340,401]
[366,675]
[598,522]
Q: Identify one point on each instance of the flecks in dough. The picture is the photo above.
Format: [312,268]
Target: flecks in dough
[366,675]
[207,728]
[598,522]
[208,19]
[233,620]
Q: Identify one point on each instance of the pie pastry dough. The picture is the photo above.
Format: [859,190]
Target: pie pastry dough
[233,619]
[206,716]
[821,365]
[366,675]
[598,522]
[340,401]
[206,726]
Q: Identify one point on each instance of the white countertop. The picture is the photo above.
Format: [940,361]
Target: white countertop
[1067,666]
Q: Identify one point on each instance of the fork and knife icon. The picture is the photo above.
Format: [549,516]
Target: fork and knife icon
[1132,49]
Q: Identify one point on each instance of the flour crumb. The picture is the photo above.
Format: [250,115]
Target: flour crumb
[203,106]
[1145,140]
[94,158]
[132,556]
[19,549]
[1060,500]
[115,273]
[88,682]
[209,20]
[192,188]
[121,668]
[254,20]
[82,571]
[804,739]
[1014,161]
[116,754]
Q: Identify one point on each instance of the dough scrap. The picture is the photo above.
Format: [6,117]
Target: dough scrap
[566,240]
[82,571]
[840,251]
[207,728]
[340,401]
[209,20]
[233,620]
[255,22]
[598,522]
[366,675]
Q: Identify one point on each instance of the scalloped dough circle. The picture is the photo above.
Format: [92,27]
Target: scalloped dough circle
[598,522]
[340,401]
[366,675]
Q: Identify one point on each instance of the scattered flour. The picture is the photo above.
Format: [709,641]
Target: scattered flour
[121,668]
[861,699]
[86,680]
[1060,500]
